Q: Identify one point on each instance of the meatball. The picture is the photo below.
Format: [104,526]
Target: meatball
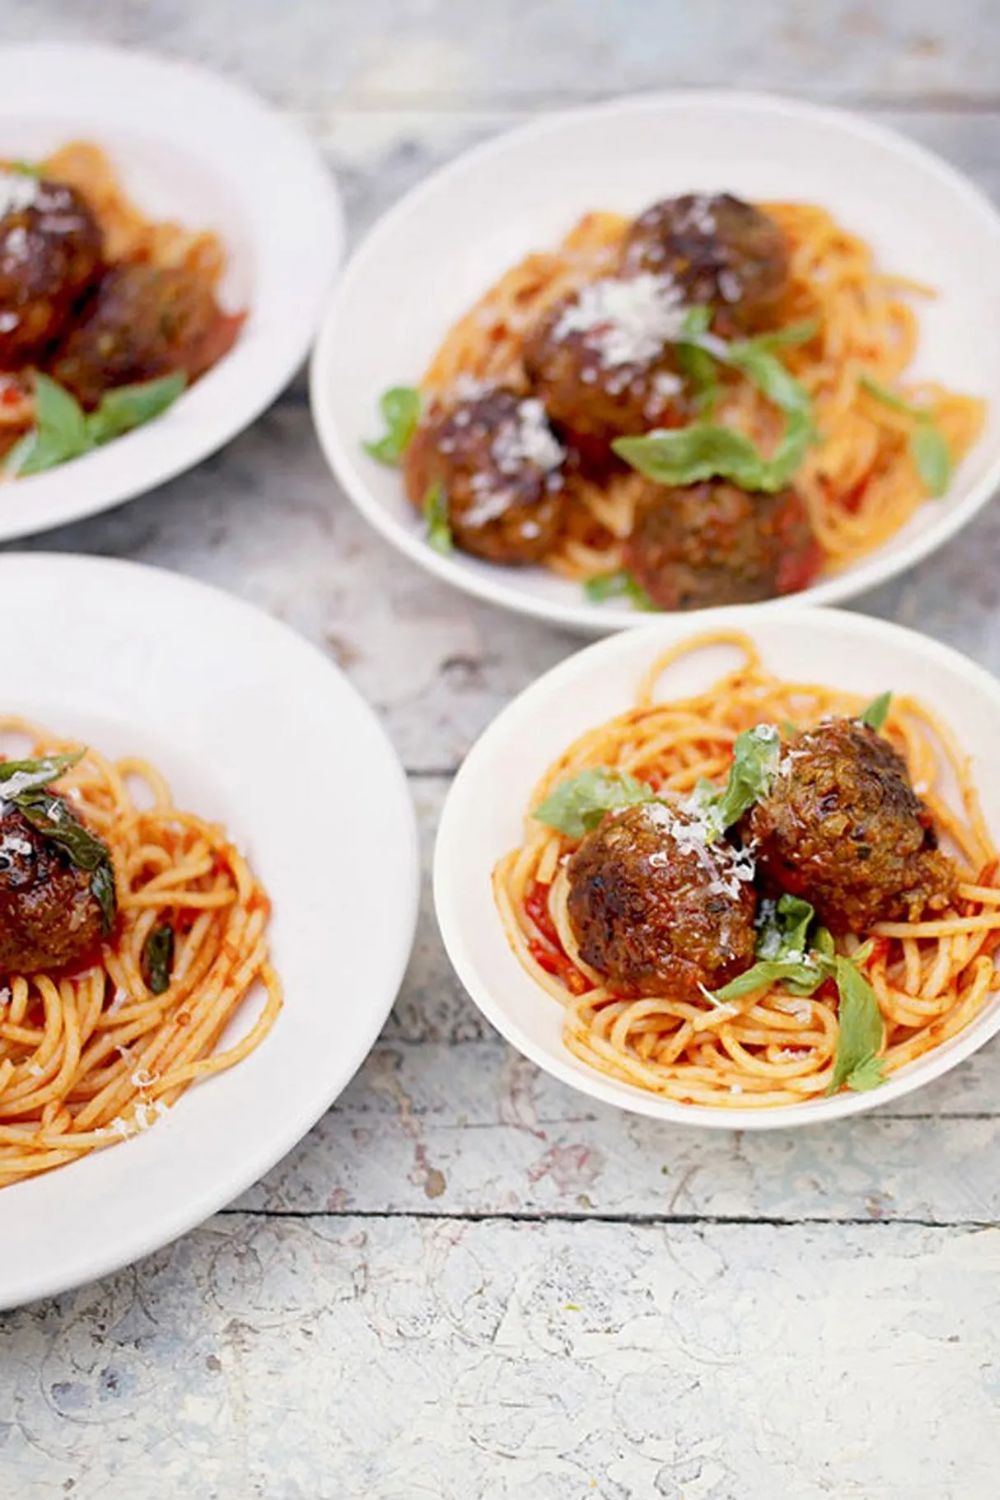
[713,543]
[602,360]
[49,917]
[656,909]
[718,250]
[500,471]
[145,321]
[844,828]
[50,255]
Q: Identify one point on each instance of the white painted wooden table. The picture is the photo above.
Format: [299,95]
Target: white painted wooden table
[467,1283]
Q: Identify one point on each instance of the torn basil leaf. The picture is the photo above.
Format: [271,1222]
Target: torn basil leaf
[932,457]
[436,515]
[877,711]
[400,408]
[617,585]
[17,776]
[801,976]
[577,805]
[756,753]
[706,450]
[129,406]
[860,1031]
[50,816]
[158,958]
[63,430]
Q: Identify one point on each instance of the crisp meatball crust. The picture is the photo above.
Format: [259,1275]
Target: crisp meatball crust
[144,321]
[499,466]
[658,910]
[50,255]
[713,543]
[844,828]
[49,916]
[718,250]
[602,360]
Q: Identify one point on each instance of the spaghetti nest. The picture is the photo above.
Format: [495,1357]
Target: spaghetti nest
[92,1055]
[769,1047]
[860,481]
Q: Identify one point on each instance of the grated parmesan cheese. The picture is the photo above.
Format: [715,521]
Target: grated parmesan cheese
[527,439]
[627,322]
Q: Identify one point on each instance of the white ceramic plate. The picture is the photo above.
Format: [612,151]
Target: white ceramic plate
[434,253]
[254,726]
[191,146]
[482,817]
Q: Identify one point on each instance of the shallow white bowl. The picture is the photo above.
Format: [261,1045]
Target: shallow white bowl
[254,727]
[192,146]
[433,254]
[482,817]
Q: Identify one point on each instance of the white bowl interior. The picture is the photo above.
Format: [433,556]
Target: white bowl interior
[483,813]
[449,239]
[191,146]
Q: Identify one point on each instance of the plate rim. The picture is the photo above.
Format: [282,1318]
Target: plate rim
[563,1066]
[23,1288]
[78,503]
[592,619]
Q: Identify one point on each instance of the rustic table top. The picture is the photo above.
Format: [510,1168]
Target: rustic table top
[467,1282]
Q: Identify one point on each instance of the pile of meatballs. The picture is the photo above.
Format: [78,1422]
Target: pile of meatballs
[602,363]
[658,911]
[90,324]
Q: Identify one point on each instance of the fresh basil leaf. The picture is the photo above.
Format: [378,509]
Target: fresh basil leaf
[876,712]
[158,958]
[400,408]
[706,450]
[698,368]
[17,776]
[697,320]
[60,431]
[767,372]
[889,398]
[860,1031]
[129,406]
[617,585]
[436,515]
[578,804]
[792,333]
[756,753]
[932,457]
[55,820]
[23,168]
[783,927]
[804,976]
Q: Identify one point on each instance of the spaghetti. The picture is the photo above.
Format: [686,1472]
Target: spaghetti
[92,1055]
[769,1047]
[860,481]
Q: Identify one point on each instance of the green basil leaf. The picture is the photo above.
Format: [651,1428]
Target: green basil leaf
[932,457]
[129,406]
[698,368]
[400,408]
[793,333]
[60,431]
[860,1031]
[706,450]
[767,372]
[23,168]
[158,958]
[803,975]
[578,804]
[697,320]
[17,776]
[436,515]
[756,753]
[783,928]
[876,712]
[55,820]
[617,585]
[889,398]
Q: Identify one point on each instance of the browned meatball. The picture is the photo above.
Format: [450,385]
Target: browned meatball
[602,360]
[50,254]
[500,471]
[713,543]
[658,910]
[49,916]
[844,828]
[145,321]
[718,250]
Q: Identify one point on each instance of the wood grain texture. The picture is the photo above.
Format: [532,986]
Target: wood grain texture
[469,1282]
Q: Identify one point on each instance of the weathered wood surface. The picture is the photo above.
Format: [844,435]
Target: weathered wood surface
[468,1282]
